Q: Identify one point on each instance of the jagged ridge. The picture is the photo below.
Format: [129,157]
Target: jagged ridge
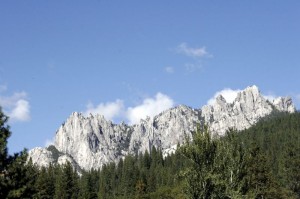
[89,142]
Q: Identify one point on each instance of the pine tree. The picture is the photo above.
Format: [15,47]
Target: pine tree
[21,176]
[107,184]
[129,176]
[260,182]
[45,183]
[66,185]
[88,185]
[292,168]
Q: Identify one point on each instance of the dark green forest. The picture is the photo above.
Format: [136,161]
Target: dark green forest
[260,162]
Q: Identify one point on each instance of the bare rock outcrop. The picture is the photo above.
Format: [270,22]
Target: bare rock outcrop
[89,142]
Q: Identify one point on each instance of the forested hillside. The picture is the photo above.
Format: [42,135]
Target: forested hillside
[260,162]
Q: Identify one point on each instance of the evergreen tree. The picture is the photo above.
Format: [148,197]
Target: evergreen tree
[88,185]
[129,176]
[292,168]
[66,184]
[21,176]
[260,182]
[45,183]
[291,163]
[107,186]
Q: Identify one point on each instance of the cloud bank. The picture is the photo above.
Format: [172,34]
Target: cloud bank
[148,107]
[16,106]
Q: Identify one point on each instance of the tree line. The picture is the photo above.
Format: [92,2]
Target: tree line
[260,162]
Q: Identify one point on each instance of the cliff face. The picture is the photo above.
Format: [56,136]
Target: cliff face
[89,142]
[247,108]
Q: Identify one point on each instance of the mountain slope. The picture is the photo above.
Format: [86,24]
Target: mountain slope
[89,142]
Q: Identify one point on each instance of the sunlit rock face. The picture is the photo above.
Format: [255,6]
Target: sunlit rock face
[247,108]
[89,142]
[41,156]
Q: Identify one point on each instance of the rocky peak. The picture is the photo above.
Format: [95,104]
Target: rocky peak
[284,104]
[91,141]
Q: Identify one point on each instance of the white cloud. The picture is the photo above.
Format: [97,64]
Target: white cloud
[149,107]
[116,110]
[169,69]
[109,110]
[183,48]
[21,111]
[16,106]
[227,93]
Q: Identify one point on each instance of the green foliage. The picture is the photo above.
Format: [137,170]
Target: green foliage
[202,156]
[66,184]
[217,166]
[45,183]
[20,177]
[88,185]
[261,162]
[260,182]
[278,138]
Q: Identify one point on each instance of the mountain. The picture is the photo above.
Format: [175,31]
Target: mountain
[89,142]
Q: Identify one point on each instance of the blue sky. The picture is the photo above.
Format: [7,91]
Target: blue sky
[131,58]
